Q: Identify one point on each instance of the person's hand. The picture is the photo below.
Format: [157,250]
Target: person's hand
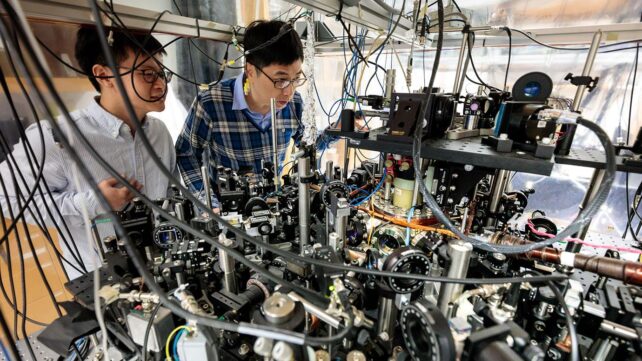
[216,210]
[117,195]
[360,124]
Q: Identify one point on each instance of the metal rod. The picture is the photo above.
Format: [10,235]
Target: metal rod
[460,65]
[304,202]
[591,192]
[226,262]
[459,252]
[341,221]
[206,186]
[313,309]
[500,182]
[329,171]
[205,175]
[588,66]
[387,318]
[618,330]
[275,145]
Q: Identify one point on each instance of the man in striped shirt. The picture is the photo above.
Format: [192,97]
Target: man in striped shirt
[231,120]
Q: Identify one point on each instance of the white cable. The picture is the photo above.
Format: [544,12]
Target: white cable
[95,260]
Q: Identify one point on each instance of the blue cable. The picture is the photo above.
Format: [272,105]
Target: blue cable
[411,211]
[383,179]
[175,344]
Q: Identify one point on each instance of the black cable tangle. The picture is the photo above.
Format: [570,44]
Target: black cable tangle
[471,42]
[31,154]
[12,350]
[137,261]
[242,234]
[242,327]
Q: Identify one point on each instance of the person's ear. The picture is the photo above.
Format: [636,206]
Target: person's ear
[250,71]
[103,76]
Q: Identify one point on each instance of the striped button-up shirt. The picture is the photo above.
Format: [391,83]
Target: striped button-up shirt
[113,140]
[220,123]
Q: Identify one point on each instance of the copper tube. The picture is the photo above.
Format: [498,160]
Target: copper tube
[403,223]
[625,271]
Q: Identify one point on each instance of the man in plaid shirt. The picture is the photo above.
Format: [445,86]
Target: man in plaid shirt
[231,120]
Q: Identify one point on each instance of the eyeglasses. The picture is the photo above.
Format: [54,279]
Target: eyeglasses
[283,83]
[150,75]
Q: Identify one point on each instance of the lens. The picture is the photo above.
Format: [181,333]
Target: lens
[532,89]
[167,236]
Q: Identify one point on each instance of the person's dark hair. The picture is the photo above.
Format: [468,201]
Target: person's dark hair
[285,51]
[89,52]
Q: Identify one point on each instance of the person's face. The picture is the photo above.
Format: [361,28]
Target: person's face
[144,84]
[262,87]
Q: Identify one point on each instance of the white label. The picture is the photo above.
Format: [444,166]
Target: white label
[567,259]
[541,124]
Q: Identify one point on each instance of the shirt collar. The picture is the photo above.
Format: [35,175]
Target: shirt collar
[239,95]
[106,120]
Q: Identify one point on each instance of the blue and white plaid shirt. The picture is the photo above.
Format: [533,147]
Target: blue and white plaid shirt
[219,122]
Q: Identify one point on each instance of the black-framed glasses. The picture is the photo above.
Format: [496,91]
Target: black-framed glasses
[150,75]
[283,83]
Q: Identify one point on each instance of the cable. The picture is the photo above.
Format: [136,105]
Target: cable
[74,249]
[152,316]
[12,353]
[546,45]
[168,355]
[30,153]
[470,36]
[531,226]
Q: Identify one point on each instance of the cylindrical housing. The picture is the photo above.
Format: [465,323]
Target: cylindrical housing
[341,221]
[304,202]
[459,252]
[226,263]
[390,83]
[347,120]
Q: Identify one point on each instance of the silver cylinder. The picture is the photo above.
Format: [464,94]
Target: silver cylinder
[275,144]
[226,263]
[206,185]
[588,66]
[329,172]
[618,330]
[179,211]
[315,310]
[390,83]
[459,252]
[387,318]
[499,186]
[304,202]
[591,192]
[341,220]
[282,352]
[471,122]
[459,75]
[387,190]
